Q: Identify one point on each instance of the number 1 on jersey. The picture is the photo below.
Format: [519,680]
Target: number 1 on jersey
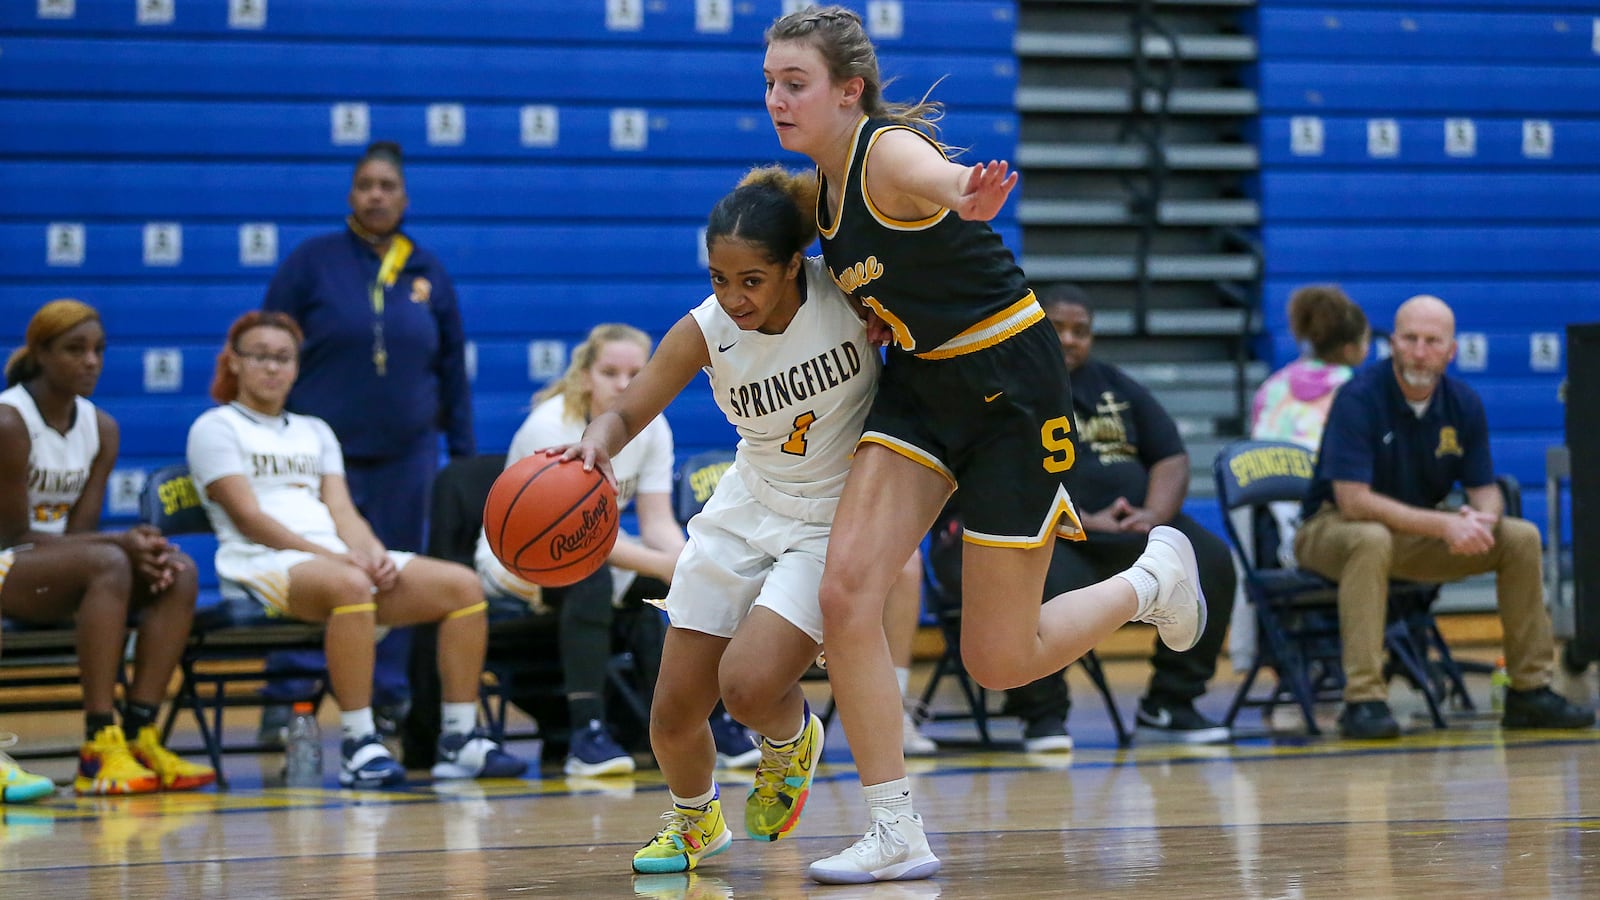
[796,444]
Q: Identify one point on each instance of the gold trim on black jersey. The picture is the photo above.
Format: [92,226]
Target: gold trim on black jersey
[1062,521]
[909,451]
[883,218]
[995,329]
[828,231]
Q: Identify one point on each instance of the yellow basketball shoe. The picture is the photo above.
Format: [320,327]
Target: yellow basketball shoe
[17,786]
[106,767]
[175,772]
[783,783]
[690,836]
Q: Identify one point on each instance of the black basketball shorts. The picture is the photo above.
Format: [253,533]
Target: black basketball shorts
[997,423]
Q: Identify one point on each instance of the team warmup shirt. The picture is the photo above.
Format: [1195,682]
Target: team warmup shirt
[283,457]
[58,464]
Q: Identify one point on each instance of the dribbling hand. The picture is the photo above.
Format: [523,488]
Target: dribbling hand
[591,454]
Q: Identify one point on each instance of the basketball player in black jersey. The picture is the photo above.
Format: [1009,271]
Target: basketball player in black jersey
[973,393]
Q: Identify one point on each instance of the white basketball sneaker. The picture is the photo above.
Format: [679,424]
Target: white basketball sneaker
[894,849]
[1178,610]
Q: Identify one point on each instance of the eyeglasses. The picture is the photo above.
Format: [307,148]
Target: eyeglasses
[262,360]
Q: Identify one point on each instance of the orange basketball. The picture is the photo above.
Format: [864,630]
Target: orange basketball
[551,522]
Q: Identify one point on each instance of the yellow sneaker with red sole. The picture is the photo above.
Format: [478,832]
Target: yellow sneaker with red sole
[106,767]
[175,772]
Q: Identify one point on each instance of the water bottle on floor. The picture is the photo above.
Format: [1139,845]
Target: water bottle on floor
[302,759]
[1499,683]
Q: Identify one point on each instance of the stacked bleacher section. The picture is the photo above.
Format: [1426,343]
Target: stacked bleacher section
[1448,147]
[159,158]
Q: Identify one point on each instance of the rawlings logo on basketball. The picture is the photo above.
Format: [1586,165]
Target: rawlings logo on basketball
[595,525]
[550,522]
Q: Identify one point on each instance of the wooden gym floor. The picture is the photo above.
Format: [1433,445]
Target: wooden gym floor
[1466,812]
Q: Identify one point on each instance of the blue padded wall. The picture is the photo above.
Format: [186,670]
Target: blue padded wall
[236,136]
[1448,147]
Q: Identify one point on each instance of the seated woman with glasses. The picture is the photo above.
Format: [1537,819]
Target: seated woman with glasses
[289,536]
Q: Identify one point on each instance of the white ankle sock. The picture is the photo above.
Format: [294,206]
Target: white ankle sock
[700,802]
[458,718]
[893,796]
[805,720]
[903,675]
[356,723]
[1145,587]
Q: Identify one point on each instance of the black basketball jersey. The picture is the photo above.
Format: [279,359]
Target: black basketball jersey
[946,285]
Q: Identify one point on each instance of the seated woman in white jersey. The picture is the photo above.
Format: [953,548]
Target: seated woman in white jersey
[273,486]
[56,454]
[791,368]
[639,567]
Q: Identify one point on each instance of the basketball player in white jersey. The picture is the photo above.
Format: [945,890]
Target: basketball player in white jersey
[791,368]
[272,483]
[56,454]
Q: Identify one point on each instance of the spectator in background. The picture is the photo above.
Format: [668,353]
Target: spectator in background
[56,454]
[600,368]
[385,366]
[289,537]
[1132,474]
[1398,439]
[1293,403]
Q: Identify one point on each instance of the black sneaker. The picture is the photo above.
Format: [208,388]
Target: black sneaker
[390,717]
[1046,735]
[1368,720]
[736,748]
[1178,722]
[594,752]
[273,732]
[1543,708]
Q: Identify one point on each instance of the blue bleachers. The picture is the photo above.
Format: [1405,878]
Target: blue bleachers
[1500,220]
[560,73]
[250,129]
[1364,196]
[533,252]
[1508,354]
[1574,143]
[963,25]
[1481,305]
[1331,252]
[1453,89]
[1335,32]
[168,312]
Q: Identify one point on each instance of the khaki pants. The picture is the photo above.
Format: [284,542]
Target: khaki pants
[1363,556]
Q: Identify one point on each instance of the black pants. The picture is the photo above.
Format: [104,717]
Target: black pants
[1175,677]
[587,632]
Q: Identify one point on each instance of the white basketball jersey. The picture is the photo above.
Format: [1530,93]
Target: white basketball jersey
[58,464]
[283,457]
[798,399]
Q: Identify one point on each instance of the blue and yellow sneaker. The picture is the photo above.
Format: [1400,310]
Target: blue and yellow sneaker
[17,786]
[105,766]
[783,783]
[690,836]
[367,763]
[475,755]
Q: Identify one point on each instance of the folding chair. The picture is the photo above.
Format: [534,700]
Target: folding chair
[1297,611]
[232,630]
[946,606]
